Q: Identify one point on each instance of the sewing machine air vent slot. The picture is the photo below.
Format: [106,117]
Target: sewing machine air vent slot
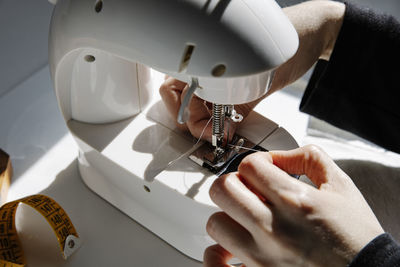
[218,70]
[98,6]
[146,188]
[187,54]
[89,58]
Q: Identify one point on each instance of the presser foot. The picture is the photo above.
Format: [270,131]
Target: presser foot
[218,160]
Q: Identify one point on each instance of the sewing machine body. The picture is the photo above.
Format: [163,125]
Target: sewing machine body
[131,153]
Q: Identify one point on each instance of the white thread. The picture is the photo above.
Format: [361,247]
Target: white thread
[242,147]
[204,129]
[198,140]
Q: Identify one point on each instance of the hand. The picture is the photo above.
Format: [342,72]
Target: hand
[272,219]
[172,92]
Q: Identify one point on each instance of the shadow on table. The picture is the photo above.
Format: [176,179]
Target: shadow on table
[110,238]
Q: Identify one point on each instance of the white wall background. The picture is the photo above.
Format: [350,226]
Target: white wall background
[24,28]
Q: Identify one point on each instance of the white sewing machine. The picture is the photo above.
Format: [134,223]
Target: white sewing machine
[131,152]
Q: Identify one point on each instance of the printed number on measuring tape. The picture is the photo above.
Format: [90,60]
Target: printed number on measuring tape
[11,254]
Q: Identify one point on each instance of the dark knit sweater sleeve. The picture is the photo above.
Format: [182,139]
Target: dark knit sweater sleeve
[383,251]
[359,88]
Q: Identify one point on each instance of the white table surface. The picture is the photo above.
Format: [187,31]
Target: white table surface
[44,155]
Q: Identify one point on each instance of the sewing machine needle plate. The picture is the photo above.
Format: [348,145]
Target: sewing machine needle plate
[206,157]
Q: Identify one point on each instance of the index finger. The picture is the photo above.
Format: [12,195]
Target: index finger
[271,182]
[311,161]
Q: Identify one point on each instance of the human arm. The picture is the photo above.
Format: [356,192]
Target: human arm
[383,251]
[318,24]
[293,223]
[358,88]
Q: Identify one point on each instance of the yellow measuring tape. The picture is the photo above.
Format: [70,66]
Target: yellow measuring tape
[11,254]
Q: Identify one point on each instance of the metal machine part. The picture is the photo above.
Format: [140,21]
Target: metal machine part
[229,158]
[219,114]
[217,163]
[218,119]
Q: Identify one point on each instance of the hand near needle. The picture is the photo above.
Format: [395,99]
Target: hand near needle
[172,92]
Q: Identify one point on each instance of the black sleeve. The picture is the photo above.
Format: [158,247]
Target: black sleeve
[383,251]
[359,88]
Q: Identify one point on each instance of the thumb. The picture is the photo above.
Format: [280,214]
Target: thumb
[311,161]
